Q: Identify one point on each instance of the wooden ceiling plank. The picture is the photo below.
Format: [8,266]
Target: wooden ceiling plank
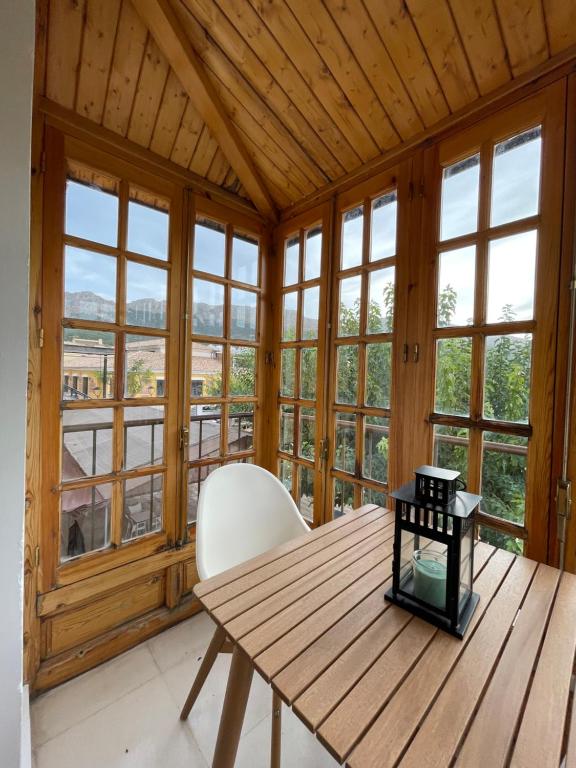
[440,37]
[97,49]
[560,16]
[398,34]
[226,75]
[149,92]
[219,168]
[481,37]
[335,51]
[358,29]
[283,25]
[163,24]
[524,33]
[187,136]
[65,25]
[254,52]
[204,153]
[169,116]
[127,62]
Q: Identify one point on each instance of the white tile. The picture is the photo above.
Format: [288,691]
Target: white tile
[205,716]
[300,748]
[70,703]
[140,730]
[191,637]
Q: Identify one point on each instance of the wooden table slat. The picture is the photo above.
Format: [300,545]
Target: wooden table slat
[318,565]
[369,569]
[387,738]
[306,542]
[539,740]
[451,712]
[502,703]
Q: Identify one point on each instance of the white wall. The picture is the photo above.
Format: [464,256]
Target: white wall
[16,76]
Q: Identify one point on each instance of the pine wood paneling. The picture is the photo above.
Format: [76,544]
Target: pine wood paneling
[66,20]
[169,116]
[149,93]
[560,23]
[524,32]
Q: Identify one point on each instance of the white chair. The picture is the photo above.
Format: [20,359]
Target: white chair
[243,510]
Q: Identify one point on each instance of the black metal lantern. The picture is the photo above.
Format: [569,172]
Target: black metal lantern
[434,550]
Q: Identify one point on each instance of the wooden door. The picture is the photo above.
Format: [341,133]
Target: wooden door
[484,314]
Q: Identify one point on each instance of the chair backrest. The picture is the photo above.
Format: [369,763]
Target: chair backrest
[243,510]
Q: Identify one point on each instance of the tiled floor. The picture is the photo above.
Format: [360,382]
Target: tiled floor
[125,713]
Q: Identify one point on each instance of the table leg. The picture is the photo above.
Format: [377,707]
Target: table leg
[235,700]
[276,746]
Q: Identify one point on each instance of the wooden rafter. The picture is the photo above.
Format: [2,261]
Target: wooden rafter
[175,45]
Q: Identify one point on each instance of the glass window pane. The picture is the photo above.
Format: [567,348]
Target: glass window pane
[306,486]
[291,260]
[210,247]
[378,374]
[89,285]
[376,439]
[453,375]
[349,306]
[504,476]
[245,259]
[196,476]
[148,226]
[516,177]
[370,496]
[347,374]
[310,312]
[308,361]
[145,367]
[343,497]
[207,308]
[352,229]
[451,449]
[456,280]
[288,371]
[143,436]
[460,185]
[507,377]
[86,442]
[345,442]
[206,370]
[205,428]
[92,210]
[381,300]
[289,314]
[243,314]
[511,277]
[383,238]
[146,292]
[85,518]
[143,506]
[240,435]
[285,474]
[87,364]
[500,539]
[313,256]
[242,371]
[287,428]
[307,433]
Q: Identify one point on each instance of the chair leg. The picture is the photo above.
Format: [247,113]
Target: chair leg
[207,663]
[276,746]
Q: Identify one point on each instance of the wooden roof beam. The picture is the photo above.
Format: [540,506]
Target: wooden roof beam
[163,24]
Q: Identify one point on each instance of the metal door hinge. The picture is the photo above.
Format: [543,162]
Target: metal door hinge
[324,450]
[269,358]
[37,557]
[40,337]
[184,437]
[563,504]
[416,355]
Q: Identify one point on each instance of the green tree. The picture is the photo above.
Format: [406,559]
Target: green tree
[137,376]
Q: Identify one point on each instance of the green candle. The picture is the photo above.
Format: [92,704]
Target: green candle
[430,578]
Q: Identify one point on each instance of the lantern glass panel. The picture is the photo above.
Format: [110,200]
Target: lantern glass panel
[466,545]
[423,566]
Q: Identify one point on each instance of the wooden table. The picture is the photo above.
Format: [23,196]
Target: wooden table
[380,687]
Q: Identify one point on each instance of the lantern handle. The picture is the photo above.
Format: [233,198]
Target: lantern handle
[461,484]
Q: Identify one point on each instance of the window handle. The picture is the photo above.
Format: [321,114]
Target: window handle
[405,353]
[416,353]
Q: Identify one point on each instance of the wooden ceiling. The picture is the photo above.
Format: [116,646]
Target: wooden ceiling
[314,88]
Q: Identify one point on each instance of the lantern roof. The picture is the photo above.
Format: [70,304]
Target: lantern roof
[461,506]
[437,472]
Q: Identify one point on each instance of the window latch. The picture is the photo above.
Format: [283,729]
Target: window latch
[563,504]
[184,437]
